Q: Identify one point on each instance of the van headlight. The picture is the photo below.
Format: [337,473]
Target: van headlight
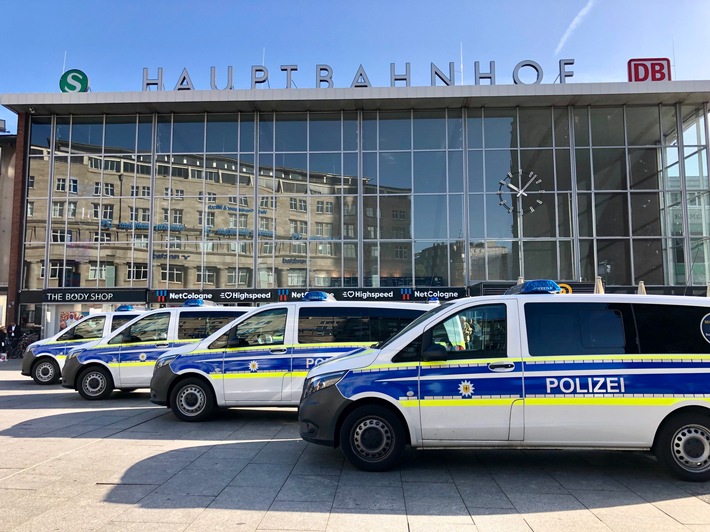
[164,361]
[320,382]
[75,353]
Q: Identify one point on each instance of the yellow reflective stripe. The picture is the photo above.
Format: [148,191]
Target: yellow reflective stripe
[59,357]
[265,375]
[459,402]
[609,401]
[130,364]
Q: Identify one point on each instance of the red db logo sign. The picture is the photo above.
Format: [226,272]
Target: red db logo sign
[658,69]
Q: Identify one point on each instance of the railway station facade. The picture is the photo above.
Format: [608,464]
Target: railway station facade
[250,196]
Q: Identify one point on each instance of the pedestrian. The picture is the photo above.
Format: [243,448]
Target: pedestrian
[3,339]
[13,333]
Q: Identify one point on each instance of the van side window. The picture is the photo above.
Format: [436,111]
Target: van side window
[474,332]
[197,325]
[151,328]
[579,329]
[120,321]
[333,324]
[264,328]
[89,328]
[670,329]
[411,353]
[386,322]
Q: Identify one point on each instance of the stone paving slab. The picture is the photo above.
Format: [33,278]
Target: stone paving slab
[125,464]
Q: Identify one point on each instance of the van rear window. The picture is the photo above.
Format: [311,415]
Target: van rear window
[197,325]
[671,329]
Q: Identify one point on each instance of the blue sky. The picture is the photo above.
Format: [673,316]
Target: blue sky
[113,41]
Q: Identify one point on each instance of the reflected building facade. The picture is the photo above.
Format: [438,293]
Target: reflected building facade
[413,195]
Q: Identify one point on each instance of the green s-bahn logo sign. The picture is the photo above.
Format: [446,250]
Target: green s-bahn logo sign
[74,81]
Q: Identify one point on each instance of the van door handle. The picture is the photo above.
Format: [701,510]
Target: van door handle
[501,366]
[277,351]
[162,345]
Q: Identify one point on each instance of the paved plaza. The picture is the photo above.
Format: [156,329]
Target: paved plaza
[126,464]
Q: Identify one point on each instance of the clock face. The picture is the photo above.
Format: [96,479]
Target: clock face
[525,189]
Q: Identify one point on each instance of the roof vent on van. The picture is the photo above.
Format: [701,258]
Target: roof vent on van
[540,286]
[123,308]
[318,296]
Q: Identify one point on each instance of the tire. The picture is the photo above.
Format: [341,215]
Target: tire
[95,383]
[683,446]
[372,438]
[46,371]
[192,399]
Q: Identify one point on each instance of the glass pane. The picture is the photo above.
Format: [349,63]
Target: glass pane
[563,170]
[371,265]
[325,217]
[395,173]
[430,171]
[457,257]
[566,260]
[246,132]
[455,171]
[699,214]
[477,255]
[266,132]
[455,129]
[395,130]
[696,170]
[188,133]
[586,260]
[120,134]
[539,215]
[500,223]
[474,128]
[87,134]
[429,130]
[396,264]
[585,215]
[672,169]
[476,216]
[145,133]
[612,214]
[540,260]
[350,131]
[609,169]
[291,132]
[669,126]
[222,133]
[648,261]
[607,126]
[584,169]
[475,171]
[540,163]
[290,173]
[644,167]
[643,126]
[369,130]
[535,127]
[700,256]
[498,164]
[581,126]
[564,214]
[41,131]
[430,217]
[614,262]
[561,117]
[456,216]
[693,125]
[324,132]
[501,128]
[431,264]
[503,260]
[325,267]
[163,134]
[645,215]
[394,216]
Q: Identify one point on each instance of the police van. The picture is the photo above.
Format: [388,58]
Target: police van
[544,371]
[125,358]
[43,360]
[262,358]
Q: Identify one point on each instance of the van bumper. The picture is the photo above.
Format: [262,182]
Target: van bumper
[27,360]
[160,383]
[71,369]
[319,413]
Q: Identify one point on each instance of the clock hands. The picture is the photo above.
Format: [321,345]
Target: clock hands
[522,190]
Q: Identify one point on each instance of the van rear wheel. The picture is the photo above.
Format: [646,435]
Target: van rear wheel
[372,438]
[46,371]
[683,446]
[192,400]
[95,383]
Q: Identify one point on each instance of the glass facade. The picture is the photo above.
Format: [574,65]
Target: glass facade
[410,198]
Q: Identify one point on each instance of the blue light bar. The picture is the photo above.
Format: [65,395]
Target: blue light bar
[123,308]
[317,296]
[540,286]
[193,303]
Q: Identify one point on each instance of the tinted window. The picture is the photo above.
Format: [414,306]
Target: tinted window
[88,328]
[264,328]
[579,329]
[671,329]
[197,325]
[474,332]
[151,328]
[120,321]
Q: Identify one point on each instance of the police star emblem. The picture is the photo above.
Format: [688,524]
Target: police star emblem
[466,389]
[142,357]
[253,365]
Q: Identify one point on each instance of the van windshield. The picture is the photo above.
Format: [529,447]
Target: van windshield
[433,312]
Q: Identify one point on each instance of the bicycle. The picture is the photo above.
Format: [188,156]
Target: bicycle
[18,349]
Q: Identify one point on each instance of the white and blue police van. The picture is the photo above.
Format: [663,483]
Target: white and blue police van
[530,369]
[43,360]
[262,358]
[125,358]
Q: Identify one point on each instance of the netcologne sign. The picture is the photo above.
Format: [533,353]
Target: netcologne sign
[324,74]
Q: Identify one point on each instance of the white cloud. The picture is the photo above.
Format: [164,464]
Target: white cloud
[573,26]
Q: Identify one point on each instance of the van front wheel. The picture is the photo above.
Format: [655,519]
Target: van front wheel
[683,446]
[95,383]
[372,438]
[192,400]
[46,371]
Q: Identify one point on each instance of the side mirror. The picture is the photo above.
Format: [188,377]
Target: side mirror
[434,353]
